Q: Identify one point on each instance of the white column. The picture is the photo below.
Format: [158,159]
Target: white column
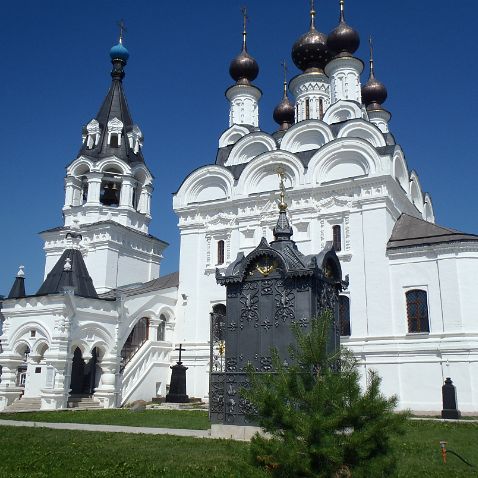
[144,205]
[94,188]
[126,197]
[309,89]
[108,390]
[72,191]
[344,74]
[244,101]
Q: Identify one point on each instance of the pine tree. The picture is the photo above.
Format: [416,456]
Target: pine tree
[319,421]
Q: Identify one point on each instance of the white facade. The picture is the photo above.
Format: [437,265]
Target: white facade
[343,172]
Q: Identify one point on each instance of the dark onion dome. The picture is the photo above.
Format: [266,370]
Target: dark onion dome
[284,113]
[343,40]
[310,51]
[244,68]
[374,92]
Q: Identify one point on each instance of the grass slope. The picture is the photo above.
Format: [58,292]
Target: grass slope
[41,453]
[194,420]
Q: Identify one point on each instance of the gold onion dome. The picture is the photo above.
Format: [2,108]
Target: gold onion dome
[310,51]
[374,92]
[343,40]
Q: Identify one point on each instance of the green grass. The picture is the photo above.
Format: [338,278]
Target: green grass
[41,453]
[194,420]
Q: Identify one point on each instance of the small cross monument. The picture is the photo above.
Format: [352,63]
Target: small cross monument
[177,388]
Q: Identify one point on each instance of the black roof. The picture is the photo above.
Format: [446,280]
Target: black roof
[114,106]
[18,288]
[161,283]
[78,277]
[411,231]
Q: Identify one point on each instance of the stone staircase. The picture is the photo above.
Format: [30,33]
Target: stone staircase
[82,402]
[24,405]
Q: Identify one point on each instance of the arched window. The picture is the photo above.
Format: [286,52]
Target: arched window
[220,252]
[307,108]
[135,340]
[321,108]
[110,192]
[337,238]
[417,311]
[344,315]
[162,328]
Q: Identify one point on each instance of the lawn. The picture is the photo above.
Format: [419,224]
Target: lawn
[41,453]
[192,419]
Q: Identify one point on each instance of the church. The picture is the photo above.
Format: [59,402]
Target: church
[102,328]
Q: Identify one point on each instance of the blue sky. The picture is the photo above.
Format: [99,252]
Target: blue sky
[55,74]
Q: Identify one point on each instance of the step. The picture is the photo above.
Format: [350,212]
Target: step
[24,405]
[83,402]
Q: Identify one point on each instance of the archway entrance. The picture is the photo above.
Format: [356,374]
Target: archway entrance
[83,376]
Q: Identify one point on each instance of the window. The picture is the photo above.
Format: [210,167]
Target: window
[33,333]
[114,141]
[297,112]
[337,238]
[37,369]
[220,252]
[417,311]
[110,192]
[321,108]
[162,328]
[307,108]
[344,315]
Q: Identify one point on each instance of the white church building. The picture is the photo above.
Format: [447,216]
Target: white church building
[103,326]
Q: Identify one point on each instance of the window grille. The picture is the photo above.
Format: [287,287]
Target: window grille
[417,311]
[344,315]
[220,252]
[337,238]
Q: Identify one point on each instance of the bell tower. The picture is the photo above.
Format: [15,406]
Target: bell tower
[108,190]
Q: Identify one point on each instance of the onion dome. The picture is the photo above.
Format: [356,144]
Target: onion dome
[374,92]
[310,51]
[244,68]
[284,112]
[119,52]
[343,40]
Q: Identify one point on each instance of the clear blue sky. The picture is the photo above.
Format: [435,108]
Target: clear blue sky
[55,73]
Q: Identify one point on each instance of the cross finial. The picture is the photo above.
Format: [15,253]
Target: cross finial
[180,349]
[284,66]
[312,15]
[244,29]
[122,29]
[372,72]
[281,173]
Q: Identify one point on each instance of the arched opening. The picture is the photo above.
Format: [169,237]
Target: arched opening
[136,339]
[110,191]
[24,352]
[307,108]
[84,377]
[162,328]
[218,345]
